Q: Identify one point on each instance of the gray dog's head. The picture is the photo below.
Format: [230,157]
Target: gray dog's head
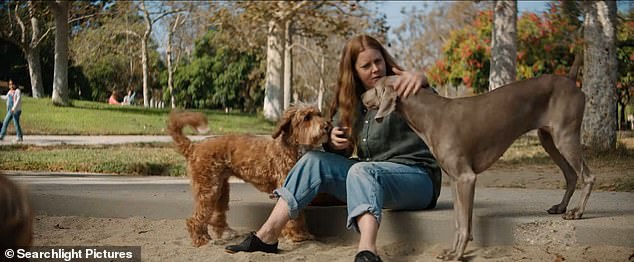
[382,97]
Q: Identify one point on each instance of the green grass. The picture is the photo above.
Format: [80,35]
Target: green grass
[41,117]
[145,159]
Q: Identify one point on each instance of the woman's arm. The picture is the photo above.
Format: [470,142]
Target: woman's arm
[409,82]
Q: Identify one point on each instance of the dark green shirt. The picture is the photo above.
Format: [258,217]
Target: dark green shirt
[394,141]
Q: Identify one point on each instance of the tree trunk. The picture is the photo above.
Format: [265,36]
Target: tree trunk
[599,75]
[168,52]
[503,43]
[144,54]
[320,94]
[145,68]
[35,72]
[33,59]
[288,63]
[170,70]
[274,64]
[60,75]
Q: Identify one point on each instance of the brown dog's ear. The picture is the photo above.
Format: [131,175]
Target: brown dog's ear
[387,98]
[284,124]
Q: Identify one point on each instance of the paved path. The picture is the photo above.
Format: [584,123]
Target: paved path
[90,140]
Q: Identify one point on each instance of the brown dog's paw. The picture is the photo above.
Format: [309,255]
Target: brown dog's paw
[197,232]
[298,236]
[201,240]
[226,233]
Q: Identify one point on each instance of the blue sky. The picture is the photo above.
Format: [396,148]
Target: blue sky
[392,9]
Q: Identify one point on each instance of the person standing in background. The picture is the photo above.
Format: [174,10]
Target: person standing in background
[14,110]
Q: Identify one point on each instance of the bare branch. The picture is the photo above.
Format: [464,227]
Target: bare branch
[167,13]
[36,43]
[81,18]
[21,24]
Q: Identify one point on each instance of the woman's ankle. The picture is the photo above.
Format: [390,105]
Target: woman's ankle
[267,236]
[367,248]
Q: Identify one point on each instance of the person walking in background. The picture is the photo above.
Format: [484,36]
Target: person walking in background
[14,110]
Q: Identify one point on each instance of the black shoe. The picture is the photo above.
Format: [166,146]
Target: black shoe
[252,244]
[366,256]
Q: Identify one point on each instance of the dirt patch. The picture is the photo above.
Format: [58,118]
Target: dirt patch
[559,234]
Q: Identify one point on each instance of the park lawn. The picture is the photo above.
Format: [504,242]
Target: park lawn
[137,159]
[41,117]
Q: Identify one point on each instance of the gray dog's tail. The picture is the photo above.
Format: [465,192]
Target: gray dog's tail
[574,69]
[177,121]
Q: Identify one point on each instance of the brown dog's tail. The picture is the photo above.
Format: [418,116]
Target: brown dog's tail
[177,121]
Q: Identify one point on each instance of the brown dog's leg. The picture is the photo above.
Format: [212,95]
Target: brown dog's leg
[205,196]
[218,219]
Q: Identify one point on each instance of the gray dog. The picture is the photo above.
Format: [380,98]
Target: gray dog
[467,135]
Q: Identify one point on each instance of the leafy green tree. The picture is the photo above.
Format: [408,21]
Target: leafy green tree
[218,77]
[546,45]
[466,56]
[108,52]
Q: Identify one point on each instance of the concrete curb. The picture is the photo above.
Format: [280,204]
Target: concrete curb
[501,216]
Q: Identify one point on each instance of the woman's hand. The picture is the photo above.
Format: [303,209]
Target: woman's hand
[408,83]
[339,138]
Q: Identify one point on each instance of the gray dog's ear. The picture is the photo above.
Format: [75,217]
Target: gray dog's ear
[370,98]
[387,98]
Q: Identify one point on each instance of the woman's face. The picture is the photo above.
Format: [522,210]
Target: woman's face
[370,67]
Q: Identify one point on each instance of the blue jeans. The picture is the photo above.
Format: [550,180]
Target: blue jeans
[16,122]
[364,186]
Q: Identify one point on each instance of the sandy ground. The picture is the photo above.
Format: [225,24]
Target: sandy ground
[167,240]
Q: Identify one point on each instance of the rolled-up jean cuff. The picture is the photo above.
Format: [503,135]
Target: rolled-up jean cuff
[359,210]
[282,192]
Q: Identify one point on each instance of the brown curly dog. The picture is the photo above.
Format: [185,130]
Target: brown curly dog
[260,161]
